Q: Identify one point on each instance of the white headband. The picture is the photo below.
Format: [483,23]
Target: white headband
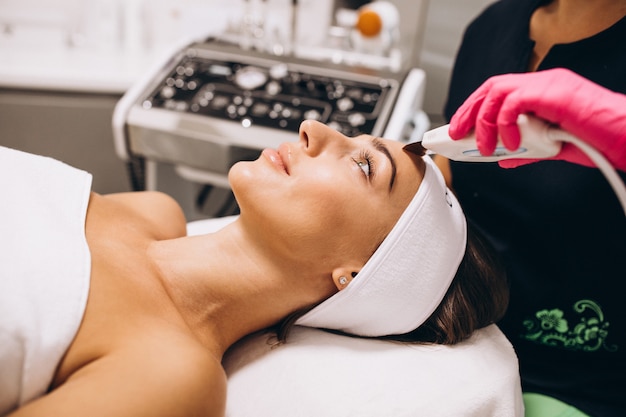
[404,281]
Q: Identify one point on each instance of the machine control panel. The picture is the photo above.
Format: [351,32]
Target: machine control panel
[273,96]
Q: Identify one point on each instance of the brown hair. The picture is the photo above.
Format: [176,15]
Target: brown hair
[478,296]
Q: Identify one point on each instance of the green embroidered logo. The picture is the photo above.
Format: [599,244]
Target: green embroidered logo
[551,328]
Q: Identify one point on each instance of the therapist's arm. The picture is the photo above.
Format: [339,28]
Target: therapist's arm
[593,113]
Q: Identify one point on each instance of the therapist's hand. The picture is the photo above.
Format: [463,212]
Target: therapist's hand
[594,114]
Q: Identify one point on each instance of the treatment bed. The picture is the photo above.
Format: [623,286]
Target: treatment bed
[320,374]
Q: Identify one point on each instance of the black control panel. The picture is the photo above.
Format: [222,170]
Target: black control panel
[273,95]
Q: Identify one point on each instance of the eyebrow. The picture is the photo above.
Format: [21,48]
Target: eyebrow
[381,147]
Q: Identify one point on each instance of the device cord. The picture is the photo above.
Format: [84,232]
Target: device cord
[603,165]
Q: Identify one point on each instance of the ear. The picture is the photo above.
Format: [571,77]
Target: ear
[343,276]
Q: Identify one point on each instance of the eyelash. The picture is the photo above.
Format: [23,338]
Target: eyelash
[366,156]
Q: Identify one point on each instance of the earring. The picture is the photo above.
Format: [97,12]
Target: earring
[343,280]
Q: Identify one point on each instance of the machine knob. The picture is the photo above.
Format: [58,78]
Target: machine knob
[279,71]
[250,78]
[167,92]
[345,104]
[273,88]
[356,119]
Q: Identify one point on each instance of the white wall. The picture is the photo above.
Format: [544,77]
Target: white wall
[101,21]
[445,23]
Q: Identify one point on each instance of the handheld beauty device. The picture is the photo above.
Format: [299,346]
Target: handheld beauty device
[538,140]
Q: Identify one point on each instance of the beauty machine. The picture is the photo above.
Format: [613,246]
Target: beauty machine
[224,98]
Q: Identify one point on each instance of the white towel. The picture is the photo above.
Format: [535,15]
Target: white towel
[322,374]
[44,270]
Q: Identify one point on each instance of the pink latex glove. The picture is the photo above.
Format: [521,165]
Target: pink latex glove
[594,114]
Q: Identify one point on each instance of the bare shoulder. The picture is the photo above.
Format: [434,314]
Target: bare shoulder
[195,380]
[157,207]
[169,380]
[177,378]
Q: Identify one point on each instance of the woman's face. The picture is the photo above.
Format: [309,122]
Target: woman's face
[326,196]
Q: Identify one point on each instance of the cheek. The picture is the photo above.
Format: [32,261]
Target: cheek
[312,202]
[339,213]
[324,187]
[329,195]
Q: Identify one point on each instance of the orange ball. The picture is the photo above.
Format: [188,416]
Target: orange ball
[369,23]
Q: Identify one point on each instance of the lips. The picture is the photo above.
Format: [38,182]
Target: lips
[278,158]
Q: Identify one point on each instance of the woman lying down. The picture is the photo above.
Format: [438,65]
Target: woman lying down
[107,308]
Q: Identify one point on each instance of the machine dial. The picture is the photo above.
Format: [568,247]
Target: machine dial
[250,78]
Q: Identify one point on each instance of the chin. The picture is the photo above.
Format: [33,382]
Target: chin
[237,177]
[246,183]
[241,174]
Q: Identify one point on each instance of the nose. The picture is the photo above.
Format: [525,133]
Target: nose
[316,136]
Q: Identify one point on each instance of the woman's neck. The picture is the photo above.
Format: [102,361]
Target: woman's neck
[567,21]
[225,285]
